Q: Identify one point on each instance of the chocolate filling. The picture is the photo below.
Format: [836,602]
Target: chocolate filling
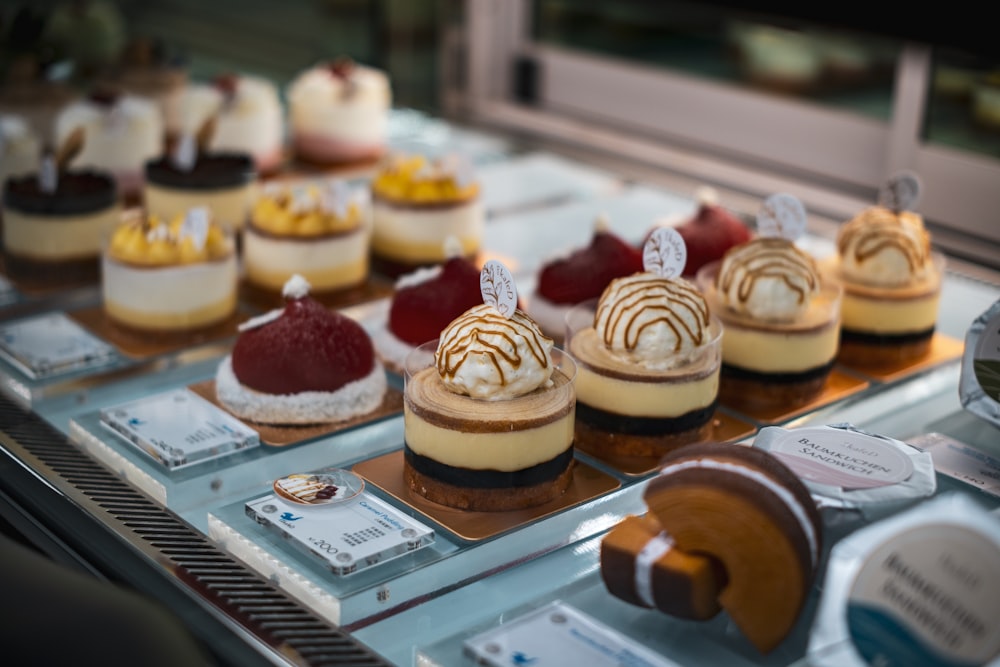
[489,479]
[729,370]
[885,340]
[645,426]
[77,193]
[218,170]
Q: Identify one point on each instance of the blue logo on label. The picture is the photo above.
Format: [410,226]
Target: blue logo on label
[288,516]
[135,421]
[519,658]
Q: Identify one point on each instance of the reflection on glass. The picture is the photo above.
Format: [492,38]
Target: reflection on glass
[963,108]
[834,68]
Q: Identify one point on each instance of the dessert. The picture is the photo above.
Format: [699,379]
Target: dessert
[55,221]
[488,419]
[641,564]
[192,176]
[710,232]
[746,510]
[318,230]
[417,204]
[28,90]
[423,304]
[301,364]
[247,114]
[892,287]
[779,59]
[19,147]
[147,69]
[123,131]
[169,277]
[338,112]
[580,276]
[782,323]
[648,359]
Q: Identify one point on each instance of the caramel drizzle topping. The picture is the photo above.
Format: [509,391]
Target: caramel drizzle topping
[878,230]
[770,258]
[667,298]
[472,333]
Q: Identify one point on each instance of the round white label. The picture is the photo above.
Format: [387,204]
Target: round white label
[497,286]
[901,192]
[664,253]
[845,459]
[928,596]
[782,216]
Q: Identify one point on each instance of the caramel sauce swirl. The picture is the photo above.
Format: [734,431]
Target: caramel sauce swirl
[486,355]
[768,278]
[882,247]
[637,304]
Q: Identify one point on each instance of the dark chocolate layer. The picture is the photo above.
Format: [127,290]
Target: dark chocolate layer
[77,193]
[216,170]
[885,340]
[647,426]
[729,370]
[489,479]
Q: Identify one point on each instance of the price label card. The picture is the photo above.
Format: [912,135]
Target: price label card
[961,461]
[52,344]
[558,634]
[348,536]
[178,428]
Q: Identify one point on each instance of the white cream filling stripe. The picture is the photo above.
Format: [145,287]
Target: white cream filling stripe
[644,561]
[782,493]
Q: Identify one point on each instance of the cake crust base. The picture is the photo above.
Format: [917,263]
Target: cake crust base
[871,350]
[486,499]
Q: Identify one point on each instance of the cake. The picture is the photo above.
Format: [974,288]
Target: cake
[782,323]
[744,509]
[641,564]
[423,304]
[488,419]
[123,132]
[579,276]
[301,364]
[19,147]
[247,113]
[339,112]
[169,277]
[28,91]
[417,204]
[648,358]
[316,229]
[192,176]
[892,287]
[779,59]
[148,69]
[710,232]
[55,222]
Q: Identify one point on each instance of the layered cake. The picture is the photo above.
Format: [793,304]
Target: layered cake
[225,183]
[580,276]
[247,113]
[339,112]
[710,232]
[55,222]
[123,132]
[488,419]
[892,287]
[301,364]
[19,147]
[423,304]
[417,204]
[745,510]
[170,277]
[782,323]
[318,230]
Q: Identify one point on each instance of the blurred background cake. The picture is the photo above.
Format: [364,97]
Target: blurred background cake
[20,147]
[338,112]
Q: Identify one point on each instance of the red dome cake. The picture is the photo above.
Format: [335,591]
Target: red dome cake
[579,276]
[301,364]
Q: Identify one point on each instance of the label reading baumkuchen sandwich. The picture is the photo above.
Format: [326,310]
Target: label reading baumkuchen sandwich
[921,588]
[979,385]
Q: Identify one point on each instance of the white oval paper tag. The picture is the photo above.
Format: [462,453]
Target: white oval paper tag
[845,459]
[664,253]
[782,216]
[498,289]
[195,226]
[901,192]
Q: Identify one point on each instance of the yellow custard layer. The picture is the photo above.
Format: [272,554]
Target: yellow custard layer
[51,238]
[611,386]
[326,263]
[418,235]
[888,316]
[498,449]
[230,207]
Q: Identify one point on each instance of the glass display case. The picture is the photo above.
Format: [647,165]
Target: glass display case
[568,113]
